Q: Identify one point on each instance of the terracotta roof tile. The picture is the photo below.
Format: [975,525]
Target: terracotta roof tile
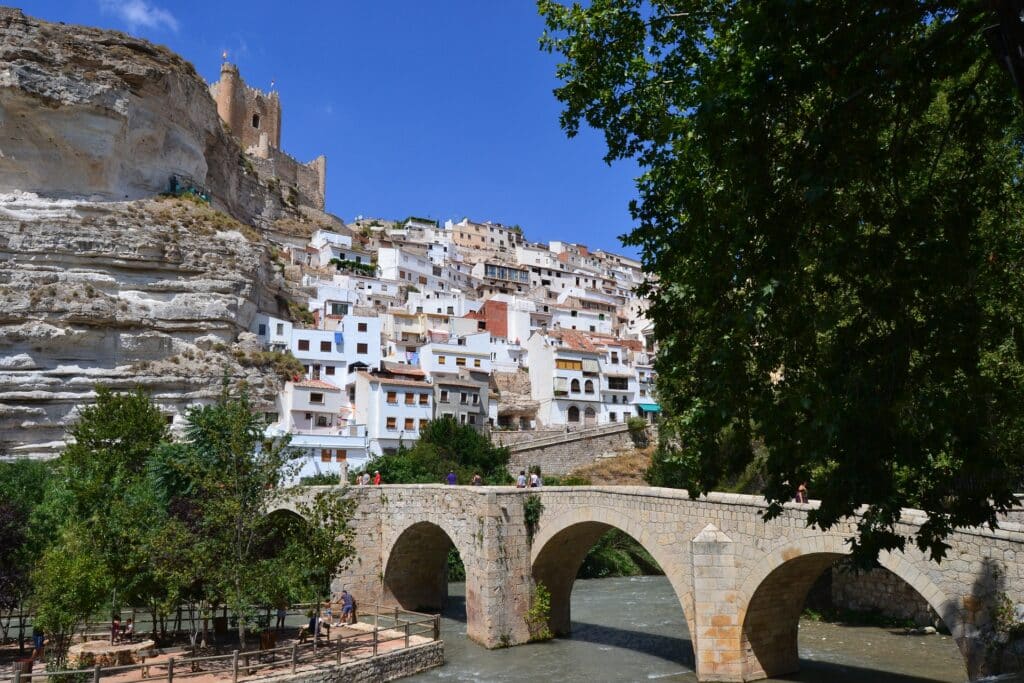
[317,384]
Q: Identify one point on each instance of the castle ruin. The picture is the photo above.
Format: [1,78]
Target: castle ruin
[254,118]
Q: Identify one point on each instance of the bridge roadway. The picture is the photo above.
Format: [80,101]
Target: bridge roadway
[741,581]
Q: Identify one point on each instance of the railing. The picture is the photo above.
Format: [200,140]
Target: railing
[389,626]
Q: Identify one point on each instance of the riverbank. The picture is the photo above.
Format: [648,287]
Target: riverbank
[633,629]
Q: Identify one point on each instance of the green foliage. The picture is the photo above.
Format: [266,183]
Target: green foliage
[617,554]
[638,431]
[445,445]
[284,364]
[539,614]
[71,580]
[367,269]
[456,569]
[831,208]
[568,480]
[532,509]
[300,314]
[321,479]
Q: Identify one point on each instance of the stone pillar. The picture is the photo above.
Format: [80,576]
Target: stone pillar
[499,591]
[717,628]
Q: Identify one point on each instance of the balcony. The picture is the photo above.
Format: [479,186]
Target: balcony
[348,437]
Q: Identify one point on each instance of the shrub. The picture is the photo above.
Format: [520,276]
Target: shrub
[539,614]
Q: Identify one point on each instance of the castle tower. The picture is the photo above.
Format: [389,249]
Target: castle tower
[250,113]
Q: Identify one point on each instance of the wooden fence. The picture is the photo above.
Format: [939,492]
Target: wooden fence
[389,625]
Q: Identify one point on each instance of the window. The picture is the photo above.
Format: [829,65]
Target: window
[462,418]
[329,370]
[341,455]
[463,398]
[255,120]
[325,346]
[325,455]
[612,417]
[460,361]
[424,399]
[472,419]
[573,314]
[271,418]
[423,425]
[569,364]
[441,360]
[643,392]
[574,386]
[444,396]
[589,387]
[280,328]
[410,398]
[574,414]
[303,345]
[618,383]
[262,330]
[316,397]
[409,424]
[361,327]
[338,308]
[615,357]
[169,419]
[362,348]
[321,420]
[476,399]
[476,362]
[392,423]
[393,397]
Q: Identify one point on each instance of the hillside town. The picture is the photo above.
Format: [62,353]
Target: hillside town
[412,320]
[408,321]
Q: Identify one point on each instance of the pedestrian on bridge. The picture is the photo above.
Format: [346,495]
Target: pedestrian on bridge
[452,479]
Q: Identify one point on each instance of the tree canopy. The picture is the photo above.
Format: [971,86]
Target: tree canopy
[445,445]
[830,208]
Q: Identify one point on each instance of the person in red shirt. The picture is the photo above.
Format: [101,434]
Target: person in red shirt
[376,478]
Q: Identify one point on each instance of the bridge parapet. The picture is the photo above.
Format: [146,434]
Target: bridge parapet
[742,601]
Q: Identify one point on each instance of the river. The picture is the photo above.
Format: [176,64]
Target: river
[632,629]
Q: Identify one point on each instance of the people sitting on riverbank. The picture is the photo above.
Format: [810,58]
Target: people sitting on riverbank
[128,631]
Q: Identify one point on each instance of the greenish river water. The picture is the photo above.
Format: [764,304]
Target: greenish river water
[632,629]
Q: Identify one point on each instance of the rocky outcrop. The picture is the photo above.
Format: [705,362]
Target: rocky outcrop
[94,114]
[155,294]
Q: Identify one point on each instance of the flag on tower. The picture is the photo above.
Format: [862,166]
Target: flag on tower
[224,55]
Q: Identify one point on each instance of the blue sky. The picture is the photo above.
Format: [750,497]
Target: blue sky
[439,108]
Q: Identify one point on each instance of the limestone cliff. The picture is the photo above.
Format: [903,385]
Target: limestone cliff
[157,294]
[94,114]
[101,282]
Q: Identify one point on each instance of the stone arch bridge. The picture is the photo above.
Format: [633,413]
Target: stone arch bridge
[741,582]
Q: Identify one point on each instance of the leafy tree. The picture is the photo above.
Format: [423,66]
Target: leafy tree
[23,485]
[71,581]
[831,211]
[234,470]
[445,445]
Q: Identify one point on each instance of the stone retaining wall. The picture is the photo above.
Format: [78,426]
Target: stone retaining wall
[562,458]
[389,666]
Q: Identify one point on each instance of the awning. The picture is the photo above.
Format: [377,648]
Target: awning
[561,385]
[590,365]
[649,407]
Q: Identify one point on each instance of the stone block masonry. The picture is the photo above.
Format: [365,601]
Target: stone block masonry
[741,581]
[559,453]
[389,666]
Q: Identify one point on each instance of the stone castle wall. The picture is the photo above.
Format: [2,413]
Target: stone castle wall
[308,180]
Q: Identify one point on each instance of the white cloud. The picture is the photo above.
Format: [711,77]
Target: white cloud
[140,14]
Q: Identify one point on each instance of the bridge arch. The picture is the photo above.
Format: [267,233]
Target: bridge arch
[775,590]
[416,570]
[562,542]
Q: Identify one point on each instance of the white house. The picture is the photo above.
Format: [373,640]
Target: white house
[394,408]
[565,379]
[322,426]
[472,352]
